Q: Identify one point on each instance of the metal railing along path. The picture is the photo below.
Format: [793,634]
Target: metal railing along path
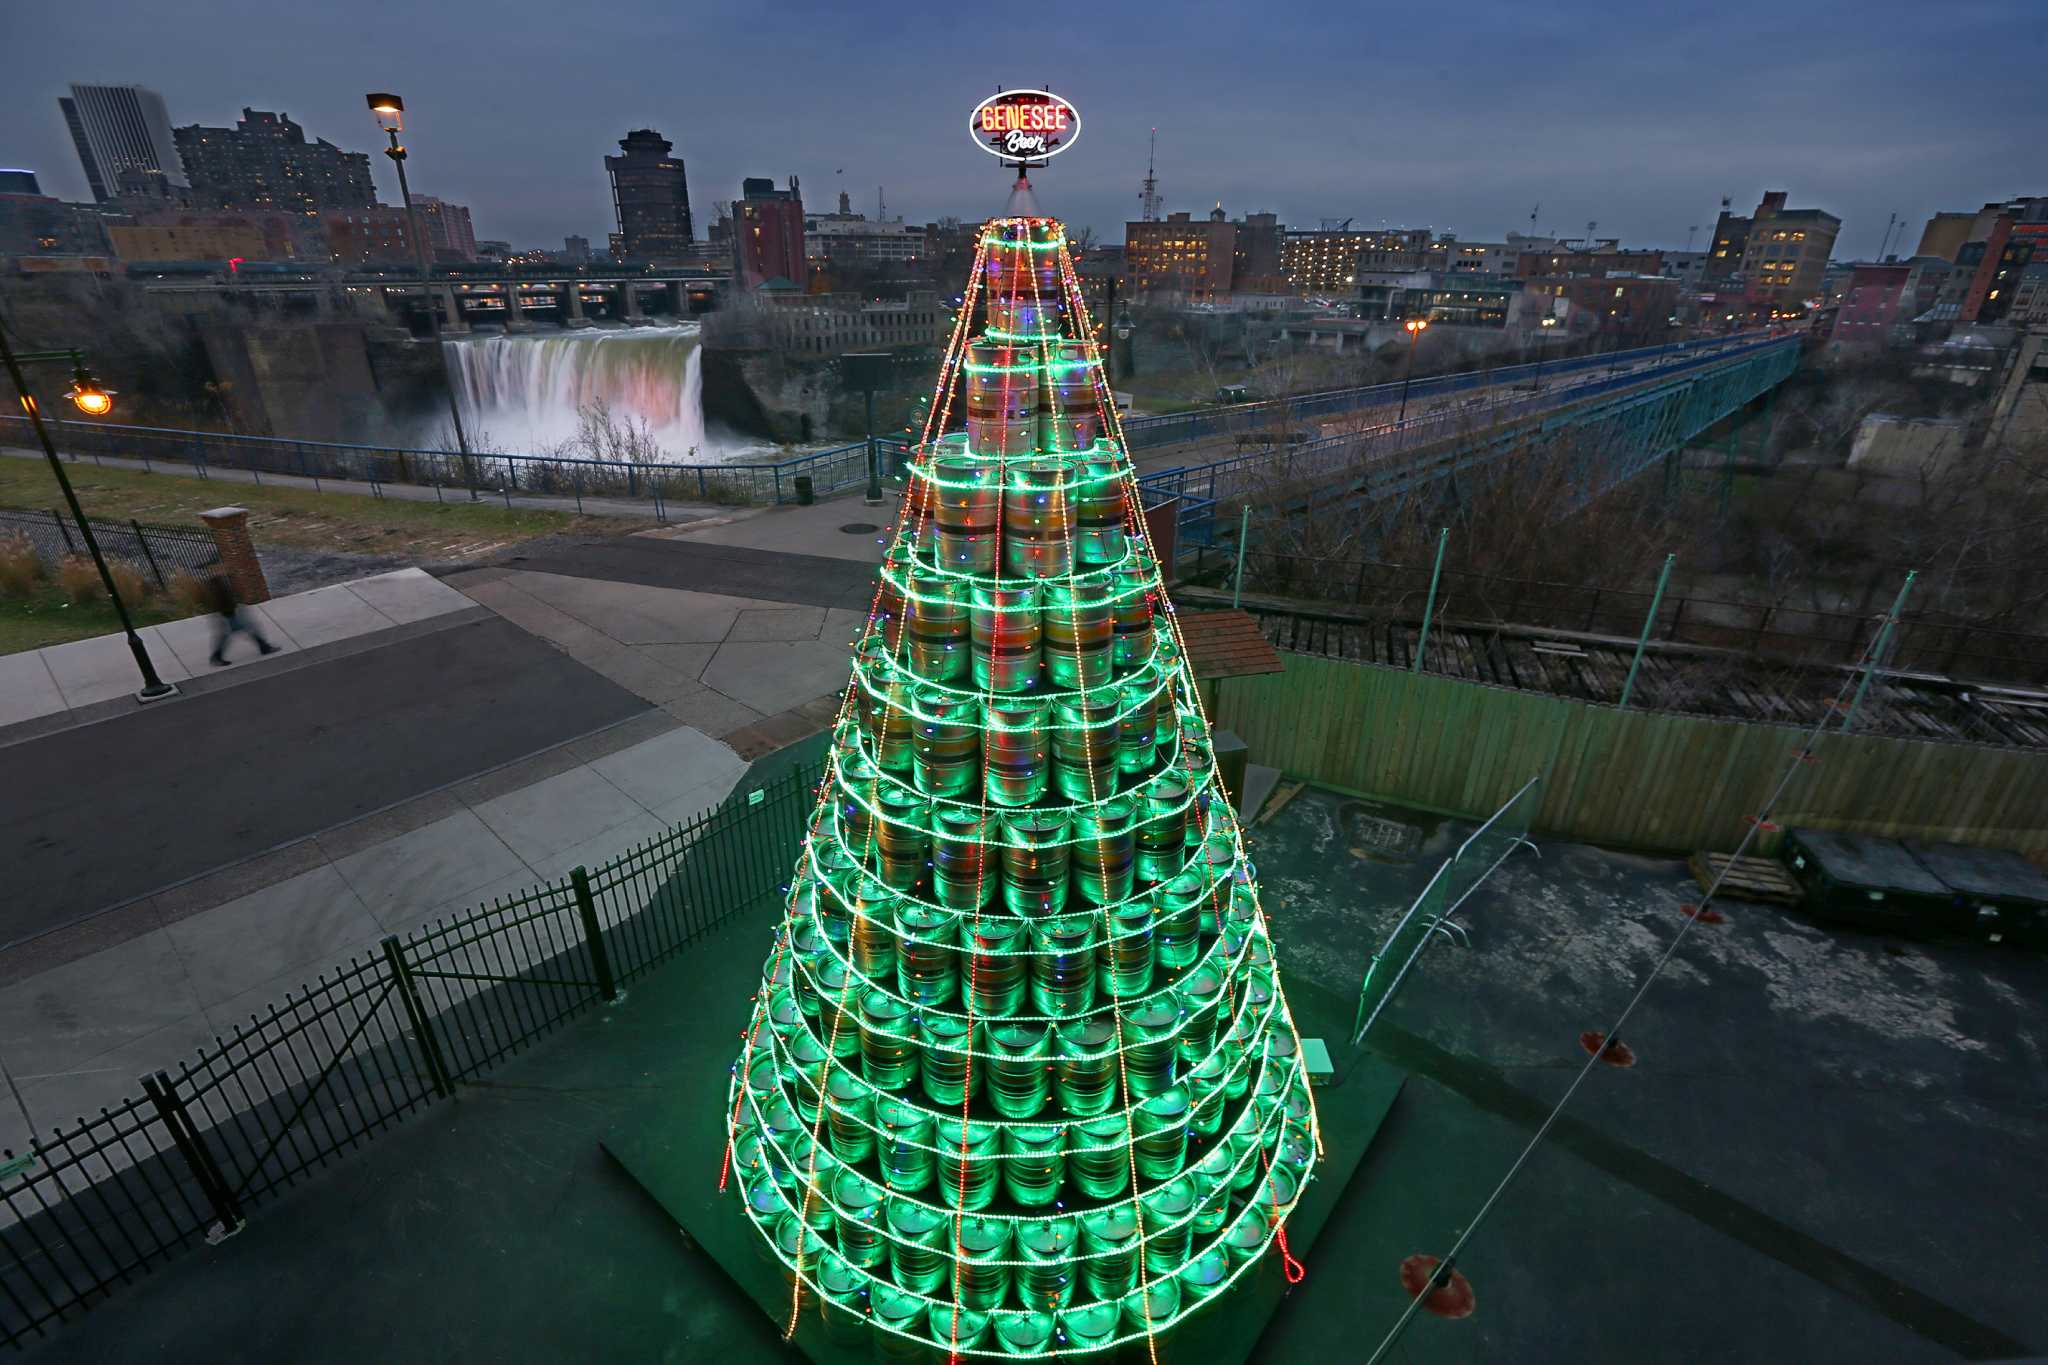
[94,1206]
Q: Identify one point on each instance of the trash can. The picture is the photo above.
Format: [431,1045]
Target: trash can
[805,495]
[1867,882]
[2000,896]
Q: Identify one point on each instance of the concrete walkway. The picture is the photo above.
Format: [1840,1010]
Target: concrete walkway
[82,673]
[77,1036]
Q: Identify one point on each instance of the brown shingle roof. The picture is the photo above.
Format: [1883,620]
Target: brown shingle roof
[1226,644]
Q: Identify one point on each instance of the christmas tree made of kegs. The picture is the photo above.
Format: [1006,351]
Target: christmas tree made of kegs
[1021,1079]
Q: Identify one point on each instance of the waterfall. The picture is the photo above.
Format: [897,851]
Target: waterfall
[524,393]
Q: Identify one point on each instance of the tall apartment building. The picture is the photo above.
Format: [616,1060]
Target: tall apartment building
[449,233]
[768,234]
[651,198]
[1786,251]
[1990,249]
[123,136]
[1180,257]
[1327,261]
[1724,253]
[264,161]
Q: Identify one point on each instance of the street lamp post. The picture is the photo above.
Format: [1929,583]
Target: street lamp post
[390,113]
[90,398]
[1416,327]
[1542,346]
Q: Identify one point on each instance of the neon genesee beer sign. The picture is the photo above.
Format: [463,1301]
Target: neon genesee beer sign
[1024,125]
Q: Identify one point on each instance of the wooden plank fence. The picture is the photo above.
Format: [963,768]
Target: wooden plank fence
[1632,779]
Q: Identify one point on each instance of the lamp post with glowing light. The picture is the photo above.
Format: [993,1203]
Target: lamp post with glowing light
[1542,345]
[1416,327]
[390,114]
[93,399]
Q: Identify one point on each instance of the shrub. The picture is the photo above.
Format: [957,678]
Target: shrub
[79,580]
[128,580]
[21,568]
[191,595]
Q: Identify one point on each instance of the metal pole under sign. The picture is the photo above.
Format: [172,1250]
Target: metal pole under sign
[1244,527]
[1429,607]
[1877,648]
[1643,640]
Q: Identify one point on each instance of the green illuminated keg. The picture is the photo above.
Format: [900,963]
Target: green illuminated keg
[956,1327]
[1038,521]
[937,621]
[836,998]
[1152,1307]
[1007,635]
[904,1147]
[860,1211]
[1137,750]
[1204,1276]
[849,1116]
[1297,1148]
[946,744]
[981,1273]
[1085,1074]
[1084,748]
[1036,861]
[1169,1224]
[1047,1248]
[903,838]
[1212,1191]
[785,1012]
[1019,1067]
[997,966]
[1109,1241]
[899,1316]
[839,1288]
[1063,965]
[1016,767]
[920,1238]
[1105,847]
[1089,1327]
[1245,1165]
[1080,634]
[1179,937]
[807,1063]
[947,1070]
[1023,1336]
[1200,994]
[1133,619]
[1098,511]
[1125,953]
[749,1160]
[889,728]
[888,1045]
[1197,759]
[927,963]
[1277,1192]
[1149,1052]
[793,1239]
[1068,413]
[964,505]
[871,932]
[961,876]
[1099,1157]
[969,1161]
[764,1205]
[1205,1093]
[1034,1163]
[1160,1134]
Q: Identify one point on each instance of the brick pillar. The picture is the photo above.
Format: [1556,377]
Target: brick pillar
[230,527]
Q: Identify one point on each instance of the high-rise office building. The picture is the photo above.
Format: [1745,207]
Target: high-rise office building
[264,161]
[575,250]
[123,136]
[651,196]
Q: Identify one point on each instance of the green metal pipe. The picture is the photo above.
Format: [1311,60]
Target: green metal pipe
[1649,620]
[1429,607]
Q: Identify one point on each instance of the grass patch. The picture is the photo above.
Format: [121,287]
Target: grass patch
[347,522]
[46,617]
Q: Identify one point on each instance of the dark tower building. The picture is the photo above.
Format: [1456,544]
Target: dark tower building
[264,161]
[651,196]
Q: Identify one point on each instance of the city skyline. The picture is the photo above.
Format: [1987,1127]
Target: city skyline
[1862,110]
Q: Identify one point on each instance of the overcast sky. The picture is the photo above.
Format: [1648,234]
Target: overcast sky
[1639,114]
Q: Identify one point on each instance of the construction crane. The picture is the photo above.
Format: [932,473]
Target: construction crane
[1148,193]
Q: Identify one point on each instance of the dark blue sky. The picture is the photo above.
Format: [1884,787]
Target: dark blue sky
[1460,117]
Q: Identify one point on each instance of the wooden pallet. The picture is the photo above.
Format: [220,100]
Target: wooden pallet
[1748,879]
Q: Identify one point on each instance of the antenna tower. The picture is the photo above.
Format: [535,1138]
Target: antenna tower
[1148,193]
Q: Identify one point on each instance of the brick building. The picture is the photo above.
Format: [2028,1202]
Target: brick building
[768,234]
[264,161]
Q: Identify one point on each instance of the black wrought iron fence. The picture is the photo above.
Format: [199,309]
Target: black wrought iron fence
[160,552]
[96,1205]
[1383,591]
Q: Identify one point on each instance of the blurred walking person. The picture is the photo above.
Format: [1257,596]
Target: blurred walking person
[230,620]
